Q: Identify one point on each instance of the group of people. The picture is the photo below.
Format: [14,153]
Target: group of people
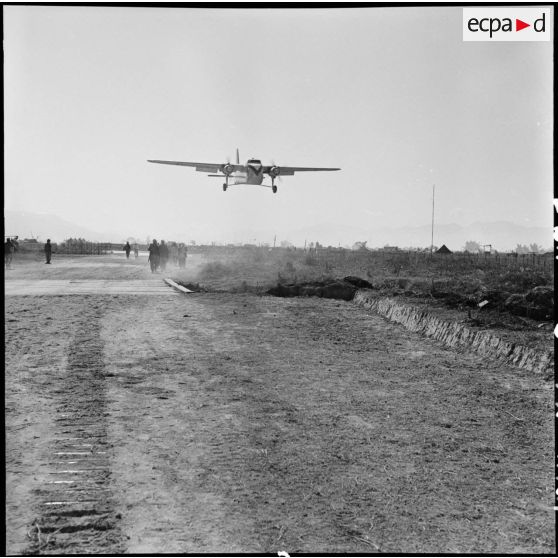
[159,255]
[11,246]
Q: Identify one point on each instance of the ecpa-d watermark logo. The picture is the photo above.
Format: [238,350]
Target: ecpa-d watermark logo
[506,24]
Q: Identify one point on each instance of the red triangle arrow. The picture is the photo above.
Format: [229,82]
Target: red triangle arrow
[519,25]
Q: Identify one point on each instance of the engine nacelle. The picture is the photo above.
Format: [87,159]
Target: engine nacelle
[228,168]
[274,171]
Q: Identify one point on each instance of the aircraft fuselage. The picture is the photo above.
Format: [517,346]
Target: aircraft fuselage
[253,175]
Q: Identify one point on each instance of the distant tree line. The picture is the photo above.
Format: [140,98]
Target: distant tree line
[82,246]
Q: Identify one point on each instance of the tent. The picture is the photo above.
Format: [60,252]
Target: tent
[443,250]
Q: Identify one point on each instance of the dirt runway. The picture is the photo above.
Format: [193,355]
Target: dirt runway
[219,422]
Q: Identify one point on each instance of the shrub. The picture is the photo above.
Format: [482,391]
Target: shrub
[215,270]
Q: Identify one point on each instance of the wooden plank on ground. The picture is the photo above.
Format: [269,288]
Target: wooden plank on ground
[176,286]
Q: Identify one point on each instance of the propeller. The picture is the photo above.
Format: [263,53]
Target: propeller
[279,178]
[227,164]
[275,174]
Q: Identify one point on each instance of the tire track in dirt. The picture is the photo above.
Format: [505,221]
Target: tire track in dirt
[76,512]
[28,404]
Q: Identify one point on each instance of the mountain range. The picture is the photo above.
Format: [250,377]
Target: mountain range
[43,225]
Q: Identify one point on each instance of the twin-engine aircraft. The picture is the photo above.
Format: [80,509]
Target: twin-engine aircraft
[251,173]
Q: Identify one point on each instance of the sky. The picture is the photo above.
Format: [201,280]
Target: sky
[393,96]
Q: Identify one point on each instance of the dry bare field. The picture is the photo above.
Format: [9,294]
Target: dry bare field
[237,422]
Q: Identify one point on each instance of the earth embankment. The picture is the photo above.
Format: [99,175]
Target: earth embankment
[458,335]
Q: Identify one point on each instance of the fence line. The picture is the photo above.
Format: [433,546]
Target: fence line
[399,260]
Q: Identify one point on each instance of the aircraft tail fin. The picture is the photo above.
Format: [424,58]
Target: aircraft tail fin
[237,157]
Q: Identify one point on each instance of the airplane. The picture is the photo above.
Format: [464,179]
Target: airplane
[250,173]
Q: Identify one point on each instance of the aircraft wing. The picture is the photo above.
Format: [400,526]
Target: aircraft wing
[201,167]
[289,171]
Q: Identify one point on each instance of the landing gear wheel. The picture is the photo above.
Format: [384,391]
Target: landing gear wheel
[224,187]
[274,189]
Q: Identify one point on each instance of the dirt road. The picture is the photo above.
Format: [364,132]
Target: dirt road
[221,422]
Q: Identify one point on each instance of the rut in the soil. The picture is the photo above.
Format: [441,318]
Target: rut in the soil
[75,512]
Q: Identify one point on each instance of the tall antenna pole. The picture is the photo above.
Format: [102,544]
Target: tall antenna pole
[432,238]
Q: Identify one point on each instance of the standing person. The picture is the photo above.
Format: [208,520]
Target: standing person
[8,253]
[136,251]
[127,248]
[153,256]
[48,250]
[173,253]
[163,255]
[182,254]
